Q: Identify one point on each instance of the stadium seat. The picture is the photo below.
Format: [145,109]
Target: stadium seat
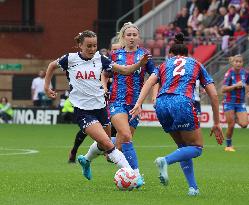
[190,47]
[204,52]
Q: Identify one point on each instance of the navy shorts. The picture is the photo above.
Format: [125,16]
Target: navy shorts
[176,113]
[116,108]
[197,105]
[237,107]
[85,118]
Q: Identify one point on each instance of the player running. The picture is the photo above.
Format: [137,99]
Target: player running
[176,112]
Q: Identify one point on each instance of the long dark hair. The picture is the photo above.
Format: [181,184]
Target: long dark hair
[179,48]
[81,36]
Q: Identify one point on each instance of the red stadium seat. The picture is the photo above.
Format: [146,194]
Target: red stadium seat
[190,47]
[204,52]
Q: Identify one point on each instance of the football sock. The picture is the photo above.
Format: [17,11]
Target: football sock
[130,154]
[183,154]
[229,142]
[118,158]
[188,170]
[80,136]
[93,152]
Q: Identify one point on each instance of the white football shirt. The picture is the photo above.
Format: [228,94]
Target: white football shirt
[86,90]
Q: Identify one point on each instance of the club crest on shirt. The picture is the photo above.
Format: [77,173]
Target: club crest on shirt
[119,56]
[138,57]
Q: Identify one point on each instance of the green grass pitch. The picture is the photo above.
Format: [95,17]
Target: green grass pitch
[46,178]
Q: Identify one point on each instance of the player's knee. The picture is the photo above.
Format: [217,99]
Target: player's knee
[243,125]
[125,136]
[231,125]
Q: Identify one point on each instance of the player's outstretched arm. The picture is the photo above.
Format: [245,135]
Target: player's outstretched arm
[49,74]
[216,129]
[126,70]
[152,80]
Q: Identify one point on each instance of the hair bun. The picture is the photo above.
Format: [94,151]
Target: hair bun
[179,38]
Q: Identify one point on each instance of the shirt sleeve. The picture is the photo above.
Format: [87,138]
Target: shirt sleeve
[62,62]
[205,78]
[227,78]
[33,84]
[107,63]
[158,71]
[150,66]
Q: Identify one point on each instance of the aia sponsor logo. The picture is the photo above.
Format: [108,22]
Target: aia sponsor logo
[87,75]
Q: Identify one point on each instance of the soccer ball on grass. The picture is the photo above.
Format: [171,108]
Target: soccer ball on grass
[125,179]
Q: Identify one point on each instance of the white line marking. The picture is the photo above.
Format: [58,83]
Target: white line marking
[20,151]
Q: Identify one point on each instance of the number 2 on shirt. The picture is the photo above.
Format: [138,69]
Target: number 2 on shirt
[179,69]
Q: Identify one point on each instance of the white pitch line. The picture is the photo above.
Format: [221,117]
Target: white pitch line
[21,151]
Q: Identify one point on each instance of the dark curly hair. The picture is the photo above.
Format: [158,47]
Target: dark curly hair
[179,48]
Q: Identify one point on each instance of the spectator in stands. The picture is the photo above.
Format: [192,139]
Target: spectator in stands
[171,31]
[37,89]
[238,35]
[230,19]
[225,37]
[222,14]
[181,20]
[190,34]
[202,5]
[214,31]
[235,4]
[239,32]
[223,3]
[191,5]
[63,98]
[210,18]
[6,112]
[235,86]
[195,19]
[244,15]
[67,112]
[214,5]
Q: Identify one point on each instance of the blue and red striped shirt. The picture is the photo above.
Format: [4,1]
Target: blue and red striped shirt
[231,78]
[125,89]
[178,75]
